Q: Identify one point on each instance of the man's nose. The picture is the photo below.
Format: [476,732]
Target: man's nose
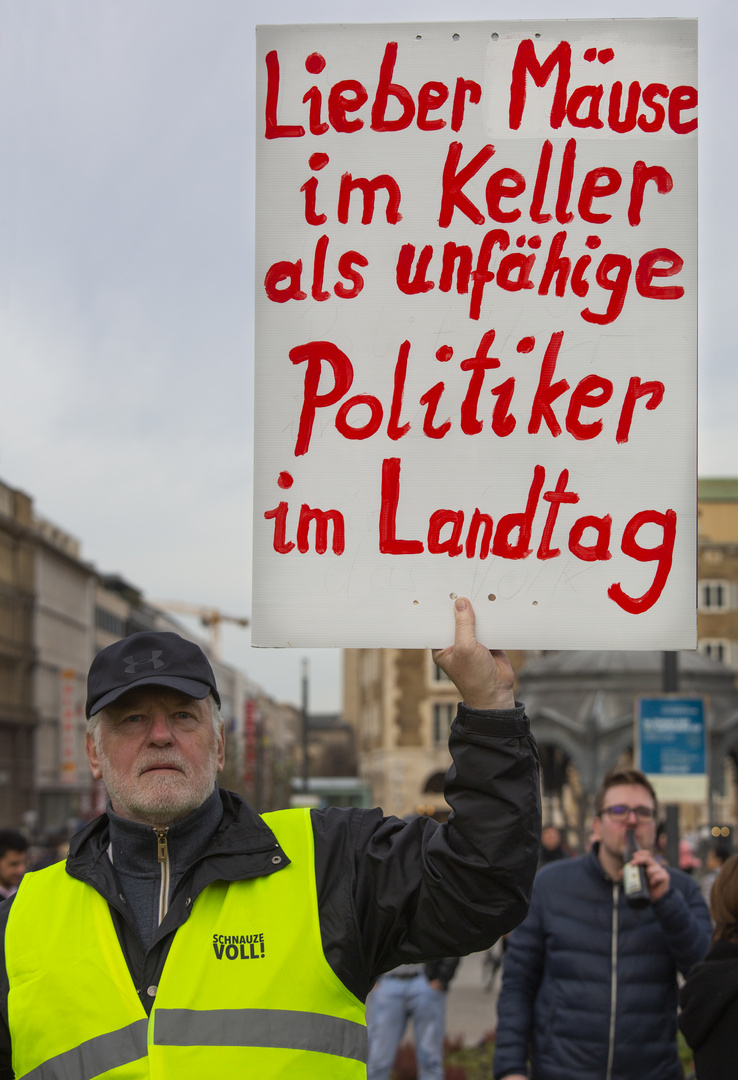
[632,815]
[160,731]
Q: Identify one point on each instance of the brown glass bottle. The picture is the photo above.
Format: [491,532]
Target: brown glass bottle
[635,885]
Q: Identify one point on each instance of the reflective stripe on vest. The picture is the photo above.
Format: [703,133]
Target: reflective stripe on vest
[96,1056]
[262,1027]
[232,997]
[215,1027]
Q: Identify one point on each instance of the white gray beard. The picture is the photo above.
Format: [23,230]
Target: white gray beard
[161,800]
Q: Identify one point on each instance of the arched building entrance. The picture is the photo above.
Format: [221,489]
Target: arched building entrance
[581,705]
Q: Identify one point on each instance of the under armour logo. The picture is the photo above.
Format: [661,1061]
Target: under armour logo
[133,664]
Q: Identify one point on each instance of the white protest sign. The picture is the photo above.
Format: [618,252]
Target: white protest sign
[476,334]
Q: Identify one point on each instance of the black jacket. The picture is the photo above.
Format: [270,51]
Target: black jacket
[709,1016]
[389,891]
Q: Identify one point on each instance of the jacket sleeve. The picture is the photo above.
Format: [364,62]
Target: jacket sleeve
[442,970]
[685,920]
[393,892]
[521,976]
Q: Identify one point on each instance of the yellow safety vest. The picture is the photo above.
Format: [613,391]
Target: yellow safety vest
[246,990]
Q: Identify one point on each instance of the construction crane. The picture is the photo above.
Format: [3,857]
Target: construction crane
[209,617]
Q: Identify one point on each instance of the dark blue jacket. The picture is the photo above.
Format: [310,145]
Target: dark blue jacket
[589,989]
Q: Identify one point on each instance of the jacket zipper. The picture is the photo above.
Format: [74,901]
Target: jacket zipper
[163,857]
[613,980]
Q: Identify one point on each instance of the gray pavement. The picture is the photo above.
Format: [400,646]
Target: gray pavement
[471,1011]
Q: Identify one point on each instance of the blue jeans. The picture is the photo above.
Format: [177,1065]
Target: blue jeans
[390,1005]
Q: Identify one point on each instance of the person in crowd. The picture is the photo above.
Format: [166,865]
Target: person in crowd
[659,851]
[709,998]
[552,847]
[410,991]
[13,856]
[589,987]
[188,936]
[717,855]
[53,850]
[688,861]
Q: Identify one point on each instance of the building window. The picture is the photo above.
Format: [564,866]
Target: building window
[112,624]
[443,716]
[718,649]
[715,595]
[712,555]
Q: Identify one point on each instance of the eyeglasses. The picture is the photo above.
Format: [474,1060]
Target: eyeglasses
[622,813]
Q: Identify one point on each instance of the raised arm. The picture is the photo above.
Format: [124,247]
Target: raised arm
[421,890]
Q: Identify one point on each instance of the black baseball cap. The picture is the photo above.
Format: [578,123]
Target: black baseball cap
[151,658]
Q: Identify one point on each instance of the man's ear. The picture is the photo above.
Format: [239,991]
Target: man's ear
[597,829]
[91,748]
[221,749]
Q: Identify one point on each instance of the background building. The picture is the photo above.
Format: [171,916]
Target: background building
[17,656]
[401,706]
[581,707]
[63,632]
[717,595]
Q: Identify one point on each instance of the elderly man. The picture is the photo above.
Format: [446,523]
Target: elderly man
[188,937]
[590,984]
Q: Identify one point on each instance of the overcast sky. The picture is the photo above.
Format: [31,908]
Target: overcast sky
[126,285]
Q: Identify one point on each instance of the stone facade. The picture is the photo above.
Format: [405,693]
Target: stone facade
[17,656]
[717,594]
[63,636]
[401,707]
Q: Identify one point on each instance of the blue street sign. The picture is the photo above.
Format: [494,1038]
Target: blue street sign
[672,737]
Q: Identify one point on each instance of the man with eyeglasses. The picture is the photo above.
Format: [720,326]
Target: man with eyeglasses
[590,984]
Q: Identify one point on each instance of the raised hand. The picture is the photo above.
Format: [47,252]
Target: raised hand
[483,677]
